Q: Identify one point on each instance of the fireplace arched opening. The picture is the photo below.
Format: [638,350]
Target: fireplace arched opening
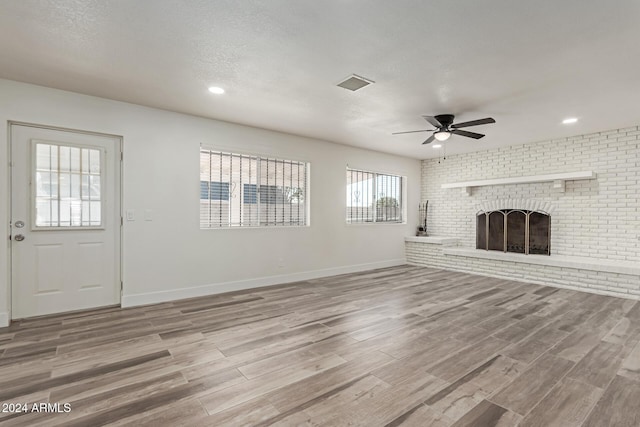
[514,230]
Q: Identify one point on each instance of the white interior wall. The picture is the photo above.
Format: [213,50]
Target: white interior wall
[170,257]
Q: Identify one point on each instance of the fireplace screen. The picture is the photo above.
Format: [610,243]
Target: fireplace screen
[514,230]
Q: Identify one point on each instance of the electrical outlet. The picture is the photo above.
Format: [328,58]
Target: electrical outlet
[280,262]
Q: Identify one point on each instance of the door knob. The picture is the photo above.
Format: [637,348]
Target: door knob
[18,237]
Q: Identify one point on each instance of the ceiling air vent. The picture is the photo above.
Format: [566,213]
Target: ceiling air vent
[354,82]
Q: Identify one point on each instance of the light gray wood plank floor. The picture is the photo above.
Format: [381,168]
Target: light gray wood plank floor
[401,346]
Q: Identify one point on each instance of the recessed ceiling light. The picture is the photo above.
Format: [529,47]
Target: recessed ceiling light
[216,90]
[437,145]
[569,120]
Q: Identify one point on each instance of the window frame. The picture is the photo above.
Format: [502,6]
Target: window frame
[402,206]
[258,157]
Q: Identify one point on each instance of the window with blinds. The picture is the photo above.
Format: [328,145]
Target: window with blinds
[238,190]
[374,197]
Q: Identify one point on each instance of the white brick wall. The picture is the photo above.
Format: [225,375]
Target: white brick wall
[596,218]
[593,218]
[622,285]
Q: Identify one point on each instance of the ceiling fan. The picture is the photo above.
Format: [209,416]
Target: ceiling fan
[444,127]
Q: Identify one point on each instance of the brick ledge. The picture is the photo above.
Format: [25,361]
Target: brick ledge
[582,263]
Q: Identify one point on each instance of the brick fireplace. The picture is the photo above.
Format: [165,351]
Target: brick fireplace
[588,229]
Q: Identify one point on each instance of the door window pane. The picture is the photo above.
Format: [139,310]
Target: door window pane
[67,186]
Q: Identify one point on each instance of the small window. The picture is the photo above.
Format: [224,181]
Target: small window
[67,188]
[238,190]
[374,197]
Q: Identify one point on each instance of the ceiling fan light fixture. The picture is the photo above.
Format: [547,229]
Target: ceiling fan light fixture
[442,135]
[437,145]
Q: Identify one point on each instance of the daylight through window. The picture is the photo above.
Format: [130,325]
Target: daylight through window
[238,190]
[67,186]
[374,197]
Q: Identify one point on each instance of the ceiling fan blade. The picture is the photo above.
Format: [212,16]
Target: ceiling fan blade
[429,140]
[410,131]
[433,121]
[467,133]
[473,123]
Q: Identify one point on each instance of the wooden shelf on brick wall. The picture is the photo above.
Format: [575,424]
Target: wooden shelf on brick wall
[558,180]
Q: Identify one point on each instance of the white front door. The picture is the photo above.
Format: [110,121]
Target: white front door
[65,221]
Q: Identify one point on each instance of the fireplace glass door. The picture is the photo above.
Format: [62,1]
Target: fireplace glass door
[514,230]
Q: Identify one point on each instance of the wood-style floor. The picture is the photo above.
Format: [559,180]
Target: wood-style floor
[403,346]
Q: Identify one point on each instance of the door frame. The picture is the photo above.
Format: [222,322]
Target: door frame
[119,198]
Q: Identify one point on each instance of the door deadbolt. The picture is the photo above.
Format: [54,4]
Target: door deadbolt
[18,237]
[19,224]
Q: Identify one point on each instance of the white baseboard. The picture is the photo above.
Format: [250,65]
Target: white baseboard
[218,288]
[4,319]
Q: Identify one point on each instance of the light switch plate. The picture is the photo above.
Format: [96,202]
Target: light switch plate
[148,215]
[131,215]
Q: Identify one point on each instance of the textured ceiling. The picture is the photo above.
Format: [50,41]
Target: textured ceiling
[527,64]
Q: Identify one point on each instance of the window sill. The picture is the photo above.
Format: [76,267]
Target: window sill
[358,224]
[255,227]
